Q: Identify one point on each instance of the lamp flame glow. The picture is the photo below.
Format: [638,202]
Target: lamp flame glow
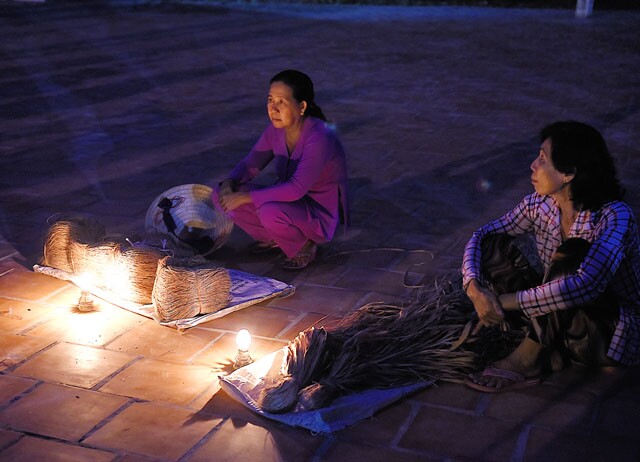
[243,341]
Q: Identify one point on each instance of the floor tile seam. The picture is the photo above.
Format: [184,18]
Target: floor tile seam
[414,410]
[481,407]
[111,376]
[8,258]
[11,443]
[210,390]
[209,344]
[38,383]
[519,452]
[205,438]
[529,420]
[60,440]
[321,451]
[108,418]
[34,355]
[298,319]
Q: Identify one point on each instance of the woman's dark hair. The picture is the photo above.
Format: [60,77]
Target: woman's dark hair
[302,88]
[579,149]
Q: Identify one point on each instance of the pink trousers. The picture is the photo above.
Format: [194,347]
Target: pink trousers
[289,224]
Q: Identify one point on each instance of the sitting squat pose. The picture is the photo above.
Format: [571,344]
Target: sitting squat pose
[587,306]
[309,199]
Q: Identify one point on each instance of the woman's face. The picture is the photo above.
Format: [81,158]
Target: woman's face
[284,111]
[545,178]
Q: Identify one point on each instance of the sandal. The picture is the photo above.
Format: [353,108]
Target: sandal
[259,248]
[301,260]
[511,380]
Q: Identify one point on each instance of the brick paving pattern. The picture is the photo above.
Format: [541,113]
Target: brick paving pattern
[106,105]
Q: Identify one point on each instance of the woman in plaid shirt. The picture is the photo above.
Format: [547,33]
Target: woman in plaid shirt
[590,314]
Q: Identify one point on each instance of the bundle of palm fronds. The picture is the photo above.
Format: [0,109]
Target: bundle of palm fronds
[383,345]
[138,266]
[301,361]
[186,287]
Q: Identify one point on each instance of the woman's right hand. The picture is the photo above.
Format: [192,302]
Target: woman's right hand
[226,187]
[486,304]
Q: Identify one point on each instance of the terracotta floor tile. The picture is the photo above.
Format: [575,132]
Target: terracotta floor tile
[11,386]
[16,348]
[49,410]
[153,340]
[36,449]
[175,431]
[18,315]
[347,451]
[26,285]
[8,264]
[94,328]
[320,299]
[154,380]
[261,320]
[304,321]
[8,437]
[74,365]
[222,353]
[438,431]
[236,440]
[570,410]
[374,280]
[382,427]
[323,273]
[452,395]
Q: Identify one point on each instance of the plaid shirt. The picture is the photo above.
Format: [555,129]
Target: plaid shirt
[613,261]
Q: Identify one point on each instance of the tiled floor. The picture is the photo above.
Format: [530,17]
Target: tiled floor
[105,106]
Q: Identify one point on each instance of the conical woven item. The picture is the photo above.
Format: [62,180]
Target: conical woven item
[63,236]
[196,220]
[187,287]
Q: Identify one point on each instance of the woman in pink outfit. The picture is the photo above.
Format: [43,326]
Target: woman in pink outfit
[303,208]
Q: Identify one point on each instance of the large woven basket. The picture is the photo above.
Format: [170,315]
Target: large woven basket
[196,221]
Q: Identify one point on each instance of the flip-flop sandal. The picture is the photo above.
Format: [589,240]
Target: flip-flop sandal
[515,380]
[301,260]
[258,248]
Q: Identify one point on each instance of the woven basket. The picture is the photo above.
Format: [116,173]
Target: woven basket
[187,287]
[195,217]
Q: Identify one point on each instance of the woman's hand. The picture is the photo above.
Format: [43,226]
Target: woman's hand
[226,187]
[486,304]
[234,200]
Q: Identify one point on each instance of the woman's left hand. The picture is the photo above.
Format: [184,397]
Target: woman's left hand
[234,200]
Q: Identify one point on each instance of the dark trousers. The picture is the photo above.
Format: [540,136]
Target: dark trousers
[581,334]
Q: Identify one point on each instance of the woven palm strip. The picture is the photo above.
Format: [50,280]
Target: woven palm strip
[187,287]
[384,345]
[63,235]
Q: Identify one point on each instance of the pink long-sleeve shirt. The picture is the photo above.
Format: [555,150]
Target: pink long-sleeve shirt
[315,170]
